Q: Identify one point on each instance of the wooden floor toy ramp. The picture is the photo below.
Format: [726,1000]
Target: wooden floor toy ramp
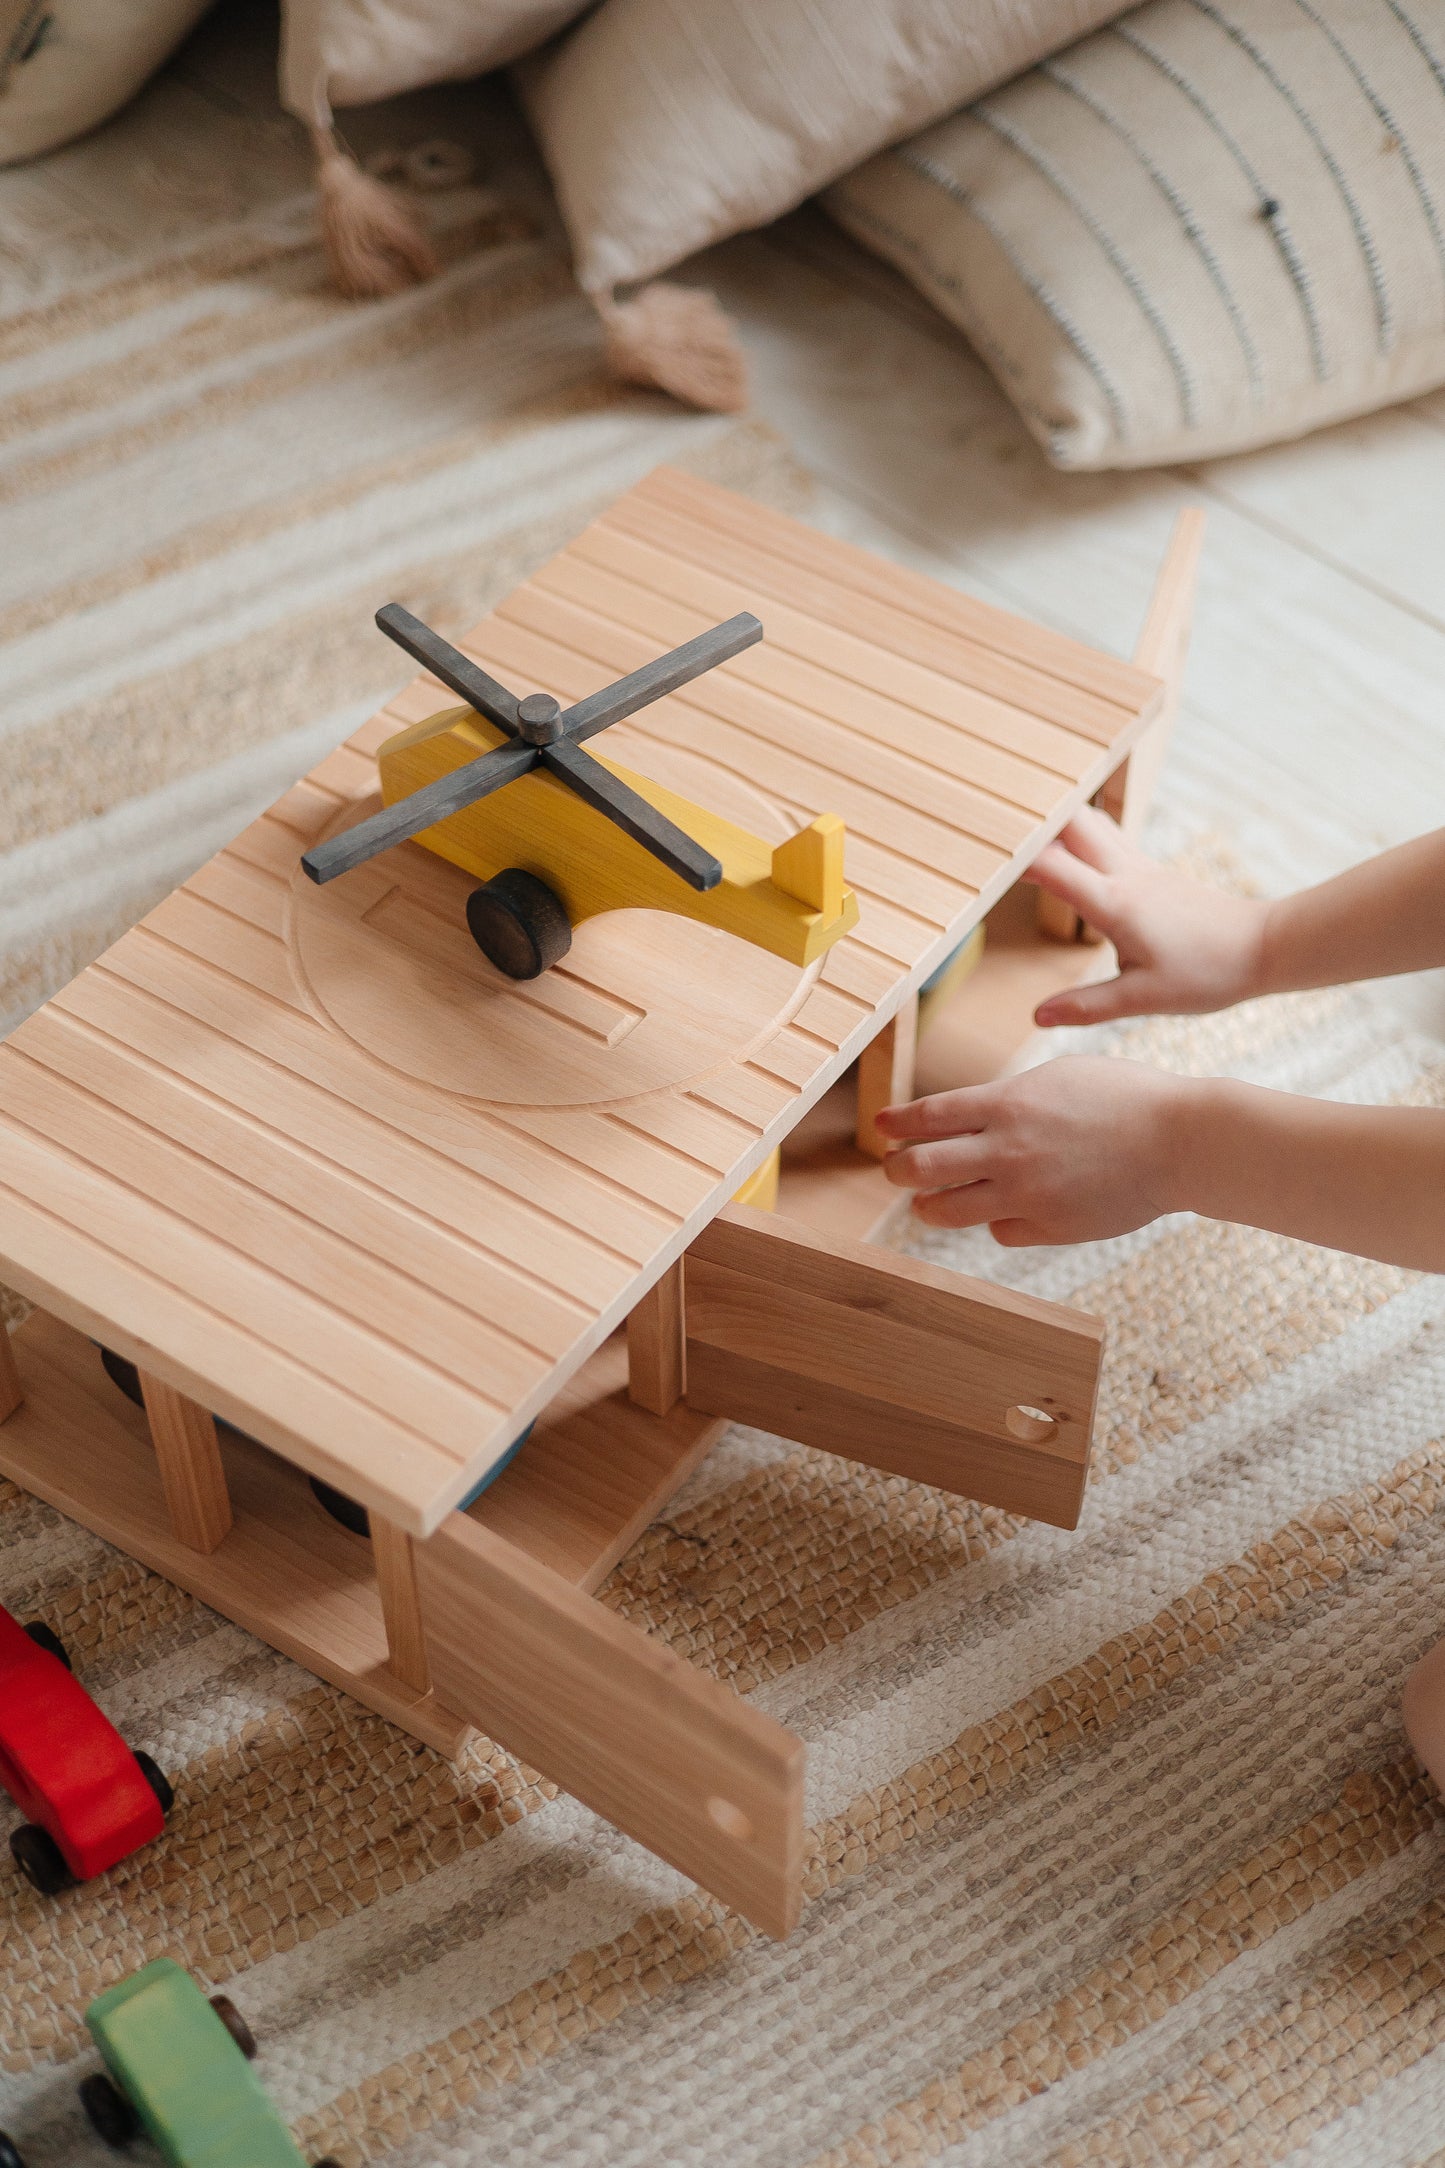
[314,1166]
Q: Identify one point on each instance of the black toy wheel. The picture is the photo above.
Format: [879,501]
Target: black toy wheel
[235,2025]
[52,1644]
[519,924]
[158,1781]
[341,1508]
[9,2153]
[111,2115]
[40,1860]
[124,1374]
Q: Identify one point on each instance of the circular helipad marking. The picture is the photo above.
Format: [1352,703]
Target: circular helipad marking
[643,1002]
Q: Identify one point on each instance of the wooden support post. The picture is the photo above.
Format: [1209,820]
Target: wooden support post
[885,1075]
[10,1392]
[192,1477]
[1055,919]
[657,1345]
[1160,649]
[395,1555]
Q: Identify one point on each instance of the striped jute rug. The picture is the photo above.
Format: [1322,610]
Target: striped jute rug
[1118,1852]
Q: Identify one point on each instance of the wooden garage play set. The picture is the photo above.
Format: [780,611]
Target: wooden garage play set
[300,1152]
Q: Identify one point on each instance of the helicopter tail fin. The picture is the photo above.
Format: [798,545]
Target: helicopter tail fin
[809,865]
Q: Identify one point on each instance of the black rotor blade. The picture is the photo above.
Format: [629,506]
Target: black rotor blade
[394,823]
[448,663]
[665,675]
[606,793]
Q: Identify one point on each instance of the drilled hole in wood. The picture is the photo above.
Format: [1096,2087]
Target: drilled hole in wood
[1030,1424]
[730,1820]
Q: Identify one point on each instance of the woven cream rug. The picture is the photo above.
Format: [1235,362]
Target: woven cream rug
[1118,1850]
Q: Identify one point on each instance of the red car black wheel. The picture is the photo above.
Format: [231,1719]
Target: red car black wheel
[40,1860]
[52,1644]
[158,1781]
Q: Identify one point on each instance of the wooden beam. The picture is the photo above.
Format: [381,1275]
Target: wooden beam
[1055,919]
[189,1458]
[657,1345]
[395,1555]
[885,1074]
[1161,650]
[628,1727]
[11,1392]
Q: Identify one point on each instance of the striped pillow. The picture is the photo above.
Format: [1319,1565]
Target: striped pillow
[1212,225]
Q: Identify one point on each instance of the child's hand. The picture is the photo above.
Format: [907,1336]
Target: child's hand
[1068,1152]
[1183,947]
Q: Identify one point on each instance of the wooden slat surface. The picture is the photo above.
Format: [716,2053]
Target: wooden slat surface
[328,1234]
[855,573]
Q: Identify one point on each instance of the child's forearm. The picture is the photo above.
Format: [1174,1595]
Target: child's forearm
[1368,1179]
[1380,918]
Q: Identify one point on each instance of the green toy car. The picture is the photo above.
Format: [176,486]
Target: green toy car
[177,2069]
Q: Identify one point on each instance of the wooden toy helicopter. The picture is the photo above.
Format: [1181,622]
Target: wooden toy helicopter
[574,835]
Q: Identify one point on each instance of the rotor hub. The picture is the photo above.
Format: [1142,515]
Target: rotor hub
[539,719]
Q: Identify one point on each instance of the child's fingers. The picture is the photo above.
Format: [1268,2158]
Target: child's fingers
[941,1114]
[938,1165]
[1131,993]
[1017,1234]
[1094,837]
[1073,1008]
[966,1206]
[1062,874]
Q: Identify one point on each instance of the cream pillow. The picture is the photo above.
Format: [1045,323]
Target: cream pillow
[669,123]
[1215,224]
[347,52]
[66,65]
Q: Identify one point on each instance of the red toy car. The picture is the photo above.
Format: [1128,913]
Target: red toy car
[89,1800]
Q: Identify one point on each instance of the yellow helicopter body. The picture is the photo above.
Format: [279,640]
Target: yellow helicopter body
[790,900]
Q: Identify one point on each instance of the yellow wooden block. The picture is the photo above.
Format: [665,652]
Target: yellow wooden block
[810,865]
[761,1187]
[539,825]
[938,991]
